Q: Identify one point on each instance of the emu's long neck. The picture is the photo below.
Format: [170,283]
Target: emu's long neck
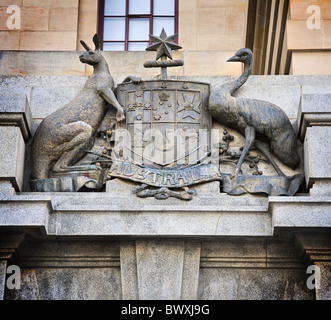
[102,66]
[236,84]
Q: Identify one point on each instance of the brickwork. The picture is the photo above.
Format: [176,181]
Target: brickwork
[210,31]
[45,25]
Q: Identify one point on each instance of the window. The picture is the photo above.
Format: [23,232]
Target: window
[127,24]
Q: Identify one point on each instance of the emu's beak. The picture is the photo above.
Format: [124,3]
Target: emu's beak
[233,59]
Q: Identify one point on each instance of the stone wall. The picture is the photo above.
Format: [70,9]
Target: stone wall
[114,245]
[209,30]
[229,269]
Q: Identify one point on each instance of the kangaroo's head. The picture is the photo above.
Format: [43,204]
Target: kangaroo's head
[91,57]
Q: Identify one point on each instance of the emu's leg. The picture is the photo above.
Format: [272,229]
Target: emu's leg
[264,148]
[249,140]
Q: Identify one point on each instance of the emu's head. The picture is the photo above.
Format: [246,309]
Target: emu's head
[91,57]
[244,55]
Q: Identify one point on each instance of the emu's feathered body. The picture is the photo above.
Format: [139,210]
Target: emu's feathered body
[257,120]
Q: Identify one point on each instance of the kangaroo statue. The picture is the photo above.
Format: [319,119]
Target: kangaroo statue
[63,137]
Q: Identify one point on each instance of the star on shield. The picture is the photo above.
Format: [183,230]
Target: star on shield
[189,108]
[163,45]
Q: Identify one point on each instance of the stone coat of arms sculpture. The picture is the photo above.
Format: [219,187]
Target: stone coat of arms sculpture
[166,142]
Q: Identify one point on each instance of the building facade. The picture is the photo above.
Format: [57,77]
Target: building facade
[114,245]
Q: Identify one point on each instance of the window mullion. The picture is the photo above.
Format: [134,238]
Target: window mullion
[126,44]
[151,21]
[153,26]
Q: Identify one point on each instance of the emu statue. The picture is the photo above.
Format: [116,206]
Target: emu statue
[63,137]
[262,123]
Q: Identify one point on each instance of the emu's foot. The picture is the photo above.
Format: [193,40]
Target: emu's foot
[234,175]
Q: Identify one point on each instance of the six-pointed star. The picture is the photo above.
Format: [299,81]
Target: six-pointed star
[163,45]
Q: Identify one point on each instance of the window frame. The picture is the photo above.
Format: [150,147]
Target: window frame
[151,16]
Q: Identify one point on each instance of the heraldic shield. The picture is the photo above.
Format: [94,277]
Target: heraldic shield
[165,140]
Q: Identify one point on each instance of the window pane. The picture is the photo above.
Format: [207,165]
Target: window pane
[139,6]
[114,29]
[167,23]
[114,7]
[164,7]
[138,29]
[138,46]
[113,46]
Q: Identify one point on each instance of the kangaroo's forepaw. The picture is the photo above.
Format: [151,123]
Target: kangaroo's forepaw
[94,167]
[120,116]
[62,169]
[136,80]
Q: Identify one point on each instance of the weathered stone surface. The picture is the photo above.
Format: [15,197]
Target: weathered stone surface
[12,150]
[100,283]
[98,214]
[52,270]
[129,277]
[29,287]
[160,269]
[59,284]
[270,88]
[317,152]
[314,111]
[6,188]
[45,100]
[3,268]
[250,284]
[254,270]
[300,212]
[15,111]
[317,249]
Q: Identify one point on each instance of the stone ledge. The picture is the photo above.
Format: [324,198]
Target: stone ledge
[15,111]
[80,214]
[314,110]
[77,215]
[302,213]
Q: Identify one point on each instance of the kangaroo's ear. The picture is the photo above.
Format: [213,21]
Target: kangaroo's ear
[96,41]
[87,48]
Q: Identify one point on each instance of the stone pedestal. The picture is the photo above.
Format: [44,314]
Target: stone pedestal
[15,131]
[314,119]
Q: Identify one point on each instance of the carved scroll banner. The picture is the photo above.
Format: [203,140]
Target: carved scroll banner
[271,185]
[165,177]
